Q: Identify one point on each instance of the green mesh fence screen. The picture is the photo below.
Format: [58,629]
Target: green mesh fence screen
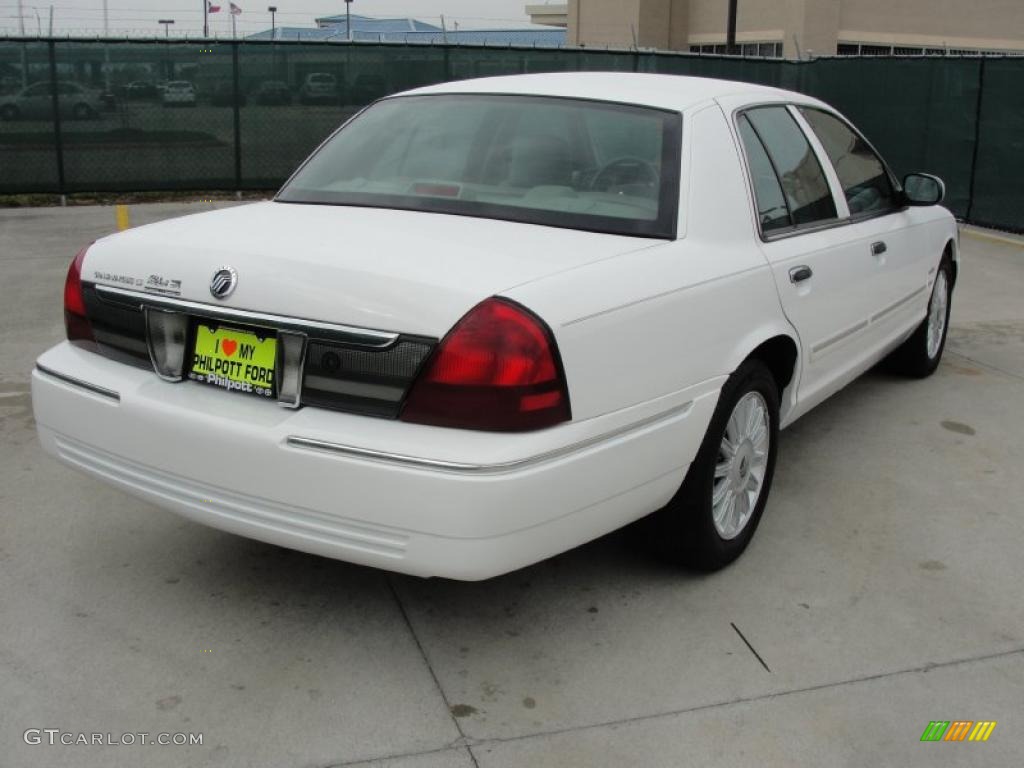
[83,116]
[998,192]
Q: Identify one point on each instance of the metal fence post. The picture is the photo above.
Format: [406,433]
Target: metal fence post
[238,119]
[977,139]
[57,135]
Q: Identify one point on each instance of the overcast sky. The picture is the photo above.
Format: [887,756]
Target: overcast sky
[140,16]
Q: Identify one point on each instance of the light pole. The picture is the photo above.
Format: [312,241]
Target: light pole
[273,37]
[730,31]
[167,26]
[348,19]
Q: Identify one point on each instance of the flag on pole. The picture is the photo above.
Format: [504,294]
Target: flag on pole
[234,10]
[212,8]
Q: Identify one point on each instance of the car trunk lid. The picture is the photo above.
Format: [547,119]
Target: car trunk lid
[400,271]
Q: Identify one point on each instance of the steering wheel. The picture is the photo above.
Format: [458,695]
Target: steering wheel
[625,170]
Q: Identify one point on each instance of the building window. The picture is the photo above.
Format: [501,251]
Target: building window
[868,49]
[744,49]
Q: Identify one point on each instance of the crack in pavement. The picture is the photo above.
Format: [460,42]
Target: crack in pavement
[470,742]
[465,740]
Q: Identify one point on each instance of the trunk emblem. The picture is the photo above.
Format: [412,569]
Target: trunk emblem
[223,283]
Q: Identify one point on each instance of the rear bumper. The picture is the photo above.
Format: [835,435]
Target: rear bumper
[407,498]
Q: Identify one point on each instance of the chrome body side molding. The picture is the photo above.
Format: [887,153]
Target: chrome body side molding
[75,382]
[355,452]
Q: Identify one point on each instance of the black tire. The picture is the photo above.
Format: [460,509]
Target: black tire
[913,358]
[684,530]
[9,112]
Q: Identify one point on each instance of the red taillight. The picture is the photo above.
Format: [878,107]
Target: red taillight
[75,320]
[497,369]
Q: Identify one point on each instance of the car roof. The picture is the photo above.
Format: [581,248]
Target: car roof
[675,92]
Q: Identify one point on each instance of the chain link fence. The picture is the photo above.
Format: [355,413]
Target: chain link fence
[116,116]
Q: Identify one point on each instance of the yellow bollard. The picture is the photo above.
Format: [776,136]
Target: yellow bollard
[121,214]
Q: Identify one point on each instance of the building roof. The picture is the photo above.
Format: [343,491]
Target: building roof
[675,92]
[370,30]
[370,24]
[294,33]
[540,38]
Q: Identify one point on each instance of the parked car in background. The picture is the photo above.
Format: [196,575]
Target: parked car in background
[563,302]
[272,93]
[224,95]
[140,90]
[367,88]
[319,88]
[108,100]
[35,102]
[178,93]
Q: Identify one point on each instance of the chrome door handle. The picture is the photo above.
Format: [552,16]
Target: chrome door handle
[799,274]
[877,249]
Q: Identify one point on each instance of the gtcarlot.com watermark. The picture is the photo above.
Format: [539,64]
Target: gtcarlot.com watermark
[56,737]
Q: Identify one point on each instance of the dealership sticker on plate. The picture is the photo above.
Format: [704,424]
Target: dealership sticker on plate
[234,359]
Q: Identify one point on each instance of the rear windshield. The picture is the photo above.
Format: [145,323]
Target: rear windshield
[559,162]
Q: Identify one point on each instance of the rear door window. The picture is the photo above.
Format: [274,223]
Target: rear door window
[804,186]
[772,210]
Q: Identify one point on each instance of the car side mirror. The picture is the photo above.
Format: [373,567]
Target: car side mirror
[923,189]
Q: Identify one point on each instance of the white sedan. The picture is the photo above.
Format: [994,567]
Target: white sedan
[178,93]
[490,320]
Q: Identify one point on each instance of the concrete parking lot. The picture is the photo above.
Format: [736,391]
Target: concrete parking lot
[882,591]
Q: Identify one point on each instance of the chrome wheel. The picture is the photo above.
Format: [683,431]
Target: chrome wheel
[937,314]
[741,465]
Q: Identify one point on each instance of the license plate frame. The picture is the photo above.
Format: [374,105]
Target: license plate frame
[209,359]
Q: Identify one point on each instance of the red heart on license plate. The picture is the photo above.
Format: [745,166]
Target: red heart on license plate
[229,346]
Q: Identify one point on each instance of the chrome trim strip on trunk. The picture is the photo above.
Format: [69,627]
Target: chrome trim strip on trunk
[351,451]
[363,337]
[94,388]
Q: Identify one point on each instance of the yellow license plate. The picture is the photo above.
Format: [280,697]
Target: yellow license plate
[234,359]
